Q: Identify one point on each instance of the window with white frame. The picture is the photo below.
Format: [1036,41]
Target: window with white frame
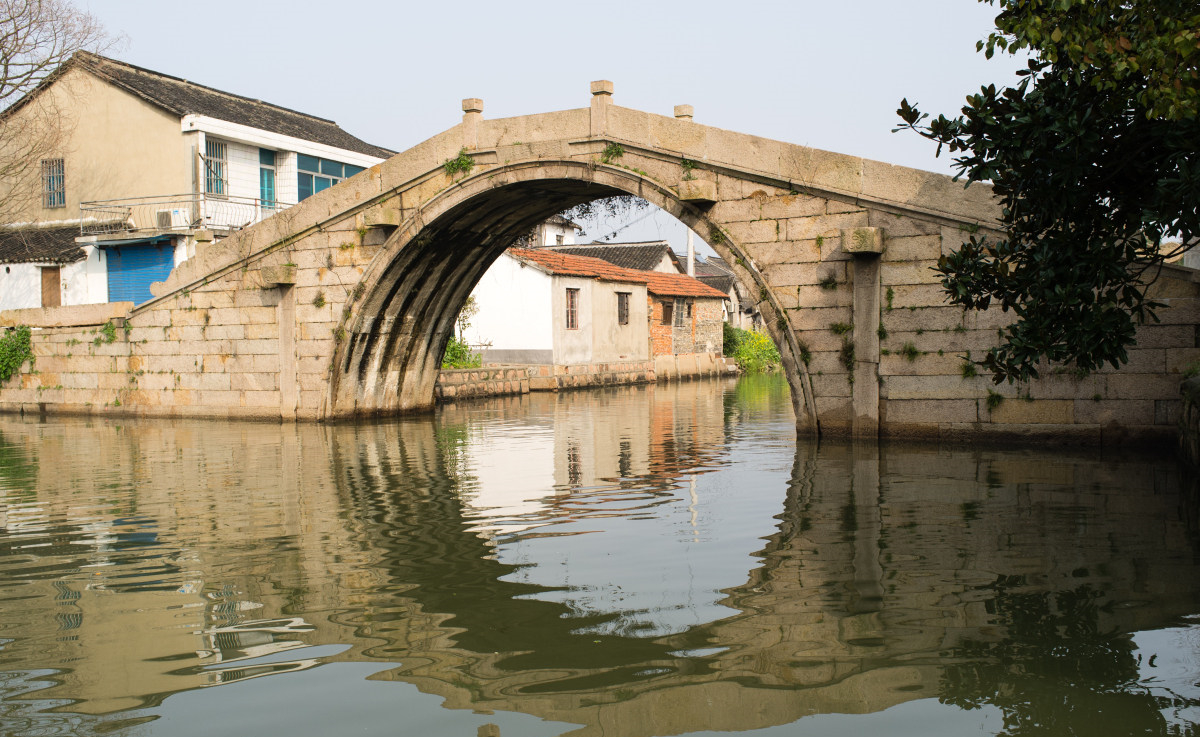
[216,168]
[54,183]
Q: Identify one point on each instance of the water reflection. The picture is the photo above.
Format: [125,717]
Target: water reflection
[643,561]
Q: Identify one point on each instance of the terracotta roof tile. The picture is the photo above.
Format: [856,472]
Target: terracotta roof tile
[663,285]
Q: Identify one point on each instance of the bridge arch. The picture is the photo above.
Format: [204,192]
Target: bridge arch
[396,327]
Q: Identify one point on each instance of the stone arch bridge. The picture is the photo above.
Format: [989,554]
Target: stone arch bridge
[341,306]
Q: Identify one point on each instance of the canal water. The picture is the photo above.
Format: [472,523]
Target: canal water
[661,560]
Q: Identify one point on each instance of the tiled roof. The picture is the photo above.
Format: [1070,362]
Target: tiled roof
[564,264]
[663,285]
[712,266]
[182,97]
[722,282]
[642,256]
[679,285]
[42,245]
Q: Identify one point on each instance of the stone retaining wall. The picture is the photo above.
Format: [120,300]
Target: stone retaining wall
[1189,421]
[481,382]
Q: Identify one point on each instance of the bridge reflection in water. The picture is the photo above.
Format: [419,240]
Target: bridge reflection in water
[641,561]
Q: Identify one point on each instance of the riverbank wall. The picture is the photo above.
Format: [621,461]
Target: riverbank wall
[498,380]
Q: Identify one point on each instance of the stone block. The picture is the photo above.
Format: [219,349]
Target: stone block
[913,248]
[862,240]
[1178,360]
[1036,412]
[253,382]
[260,399]
[893,273]
[1166,336]
[755,231]
[938,387]
[929,411]
[68,316]
[1141,386]
[273,276]
[827,227]
[214,382]
[699,192]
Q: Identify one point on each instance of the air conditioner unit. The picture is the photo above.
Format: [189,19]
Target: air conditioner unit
[171,219]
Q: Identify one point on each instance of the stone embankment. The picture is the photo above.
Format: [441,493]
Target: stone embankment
[489,381]
[1189,421]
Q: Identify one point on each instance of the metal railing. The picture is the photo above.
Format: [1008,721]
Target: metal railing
[174,213]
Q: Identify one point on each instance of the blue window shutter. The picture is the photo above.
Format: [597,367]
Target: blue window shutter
[132,268]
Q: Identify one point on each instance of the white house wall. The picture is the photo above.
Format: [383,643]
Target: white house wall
[514,314]
[243,170]
[21,287]
[614,342]
[85,282]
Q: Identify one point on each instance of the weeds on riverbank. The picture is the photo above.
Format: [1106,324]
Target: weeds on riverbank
[754,351]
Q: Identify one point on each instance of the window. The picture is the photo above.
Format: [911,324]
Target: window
[54,183]
[266,178]
[558,239]
[318,175]
[216,168]
[572,309]
[623,308]
[668,309]
[683,310]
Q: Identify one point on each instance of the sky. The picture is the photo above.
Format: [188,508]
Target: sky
[824,74]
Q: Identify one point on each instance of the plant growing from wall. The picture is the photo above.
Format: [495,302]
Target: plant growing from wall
[994,400]
[909,351]
[611,153]
[829,282]
[15,349]
[462,163]
[688,167]
[319,300]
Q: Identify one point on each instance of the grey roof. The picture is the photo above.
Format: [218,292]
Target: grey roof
[720,282]
[641,256]
[40,245]
[712,266]
[182,97]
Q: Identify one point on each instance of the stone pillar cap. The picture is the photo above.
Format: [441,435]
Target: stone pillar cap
[684,111]
[602,87]
[472,105]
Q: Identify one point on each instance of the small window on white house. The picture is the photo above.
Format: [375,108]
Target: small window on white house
[216,168]
[54,183]
[623,308]
[572,309]
[558,239]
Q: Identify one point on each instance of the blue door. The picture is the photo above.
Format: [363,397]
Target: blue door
[132,267]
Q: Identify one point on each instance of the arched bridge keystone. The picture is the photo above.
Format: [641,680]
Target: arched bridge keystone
[342,305]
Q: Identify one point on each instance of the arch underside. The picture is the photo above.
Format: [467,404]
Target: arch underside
[392,349]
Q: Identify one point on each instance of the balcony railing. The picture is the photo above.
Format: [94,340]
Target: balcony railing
[174,213]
